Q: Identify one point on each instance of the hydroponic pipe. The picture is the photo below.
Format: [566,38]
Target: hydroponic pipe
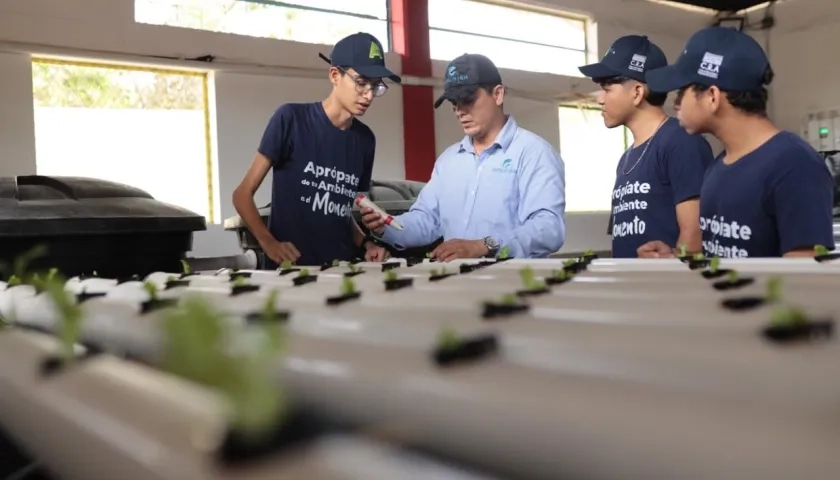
[531,423]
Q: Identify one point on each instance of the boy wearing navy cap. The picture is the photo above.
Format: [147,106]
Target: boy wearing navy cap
[769,194]
[500,187]
[658,180]
[322,155]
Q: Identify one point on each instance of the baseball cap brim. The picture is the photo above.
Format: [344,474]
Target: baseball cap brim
[455,94]
[598,70]
[377,71]
[667,79]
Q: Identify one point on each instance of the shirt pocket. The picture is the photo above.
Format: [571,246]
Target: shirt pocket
[498,197]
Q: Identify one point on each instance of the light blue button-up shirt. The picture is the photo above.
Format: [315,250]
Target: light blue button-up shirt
[514,191]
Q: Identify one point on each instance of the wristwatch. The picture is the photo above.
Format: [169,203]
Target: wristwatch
[492,246]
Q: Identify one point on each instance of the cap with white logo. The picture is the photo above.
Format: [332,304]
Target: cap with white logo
[629,56]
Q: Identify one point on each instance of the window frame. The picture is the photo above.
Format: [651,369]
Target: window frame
[585,21]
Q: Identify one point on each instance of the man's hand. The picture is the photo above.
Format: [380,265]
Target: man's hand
[280,251]
[373,221]
[458,248]
[655,249]
[375,253]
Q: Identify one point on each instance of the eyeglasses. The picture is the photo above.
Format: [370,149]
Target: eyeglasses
[363,85]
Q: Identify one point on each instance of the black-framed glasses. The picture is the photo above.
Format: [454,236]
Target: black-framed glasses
[364,85]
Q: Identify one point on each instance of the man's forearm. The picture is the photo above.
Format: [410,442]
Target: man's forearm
[693,241]
[418,230]
[539,236]
[247,210]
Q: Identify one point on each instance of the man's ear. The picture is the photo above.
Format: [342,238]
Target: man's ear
[334,75]
[639,93]
[499,95]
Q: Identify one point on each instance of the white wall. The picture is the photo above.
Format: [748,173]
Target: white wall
[246,92]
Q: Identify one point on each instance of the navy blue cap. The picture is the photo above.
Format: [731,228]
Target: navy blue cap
[363,53]
[465,75]
[629,56]
[716,56]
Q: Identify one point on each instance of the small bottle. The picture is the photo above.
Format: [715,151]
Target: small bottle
[364,202]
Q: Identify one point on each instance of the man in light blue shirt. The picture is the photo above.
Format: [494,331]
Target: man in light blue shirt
[501,187]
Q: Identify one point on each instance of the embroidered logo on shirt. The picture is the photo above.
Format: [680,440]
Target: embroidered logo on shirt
[507,167]
[710,66]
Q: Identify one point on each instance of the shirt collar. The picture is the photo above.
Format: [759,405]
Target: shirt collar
[503,139]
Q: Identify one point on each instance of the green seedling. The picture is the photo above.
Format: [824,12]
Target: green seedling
[287,264]
[529,280]
[698,257]
[436,272]
[788,316]
[197,346]
[239,282]
[509,299]
[390,275]
[14,281]
[588,252]
[69,312]
[561,274]
[354,268]
[152,290]
[448,339]
[336,263]
[504,253]
[714,264]
[774,289]
[348,286]
[185,267]
[304,272]
[171,278]
[428,254]
[820,250]
[51,274]
[732,276]
[270,321]
[95,274]
[683,248]
[570,262]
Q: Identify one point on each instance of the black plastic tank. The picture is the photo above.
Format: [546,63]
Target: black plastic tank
[89,225]
[395,196]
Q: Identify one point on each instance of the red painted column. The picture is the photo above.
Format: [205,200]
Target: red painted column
[410,38]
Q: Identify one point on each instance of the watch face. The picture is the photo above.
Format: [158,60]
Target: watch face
[491,242]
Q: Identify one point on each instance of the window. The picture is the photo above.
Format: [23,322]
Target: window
[143,127]
[513,38]
[591,152]
[308,21]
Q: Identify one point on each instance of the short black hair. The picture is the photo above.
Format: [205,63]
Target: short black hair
[655,99]
[753,102]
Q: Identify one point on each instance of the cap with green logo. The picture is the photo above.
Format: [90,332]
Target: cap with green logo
[363,53]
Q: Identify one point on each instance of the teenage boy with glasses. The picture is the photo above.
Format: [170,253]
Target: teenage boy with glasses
[321,155]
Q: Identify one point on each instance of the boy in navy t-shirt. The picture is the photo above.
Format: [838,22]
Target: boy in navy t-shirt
[769,194]
[322,155]
[658,179]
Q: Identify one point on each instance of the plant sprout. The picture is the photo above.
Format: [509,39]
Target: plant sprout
[504,253]
[428,254]
[239,282]
[509,299]
[390,275]
[732,276]
[152,290]
[789,317]
[560,274]
[529,281]
[437,272]
[336,263]
[683,249]
[185,267]
[448,339]
[348,286]
[570,262]
[287,264]
[304,272]
[197,347]
[354,268]
[774,289]
[698,257]
[588,252]
[69,312]
[14,280]
[714,264]
[820,250]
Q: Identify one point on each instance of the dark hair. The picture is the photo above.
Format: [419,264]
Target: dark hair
[753,102]
[654,99]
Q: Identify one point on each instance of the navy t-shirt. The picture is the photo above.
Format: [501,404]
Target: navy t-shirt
[645,195]
[318,168]
[773,200]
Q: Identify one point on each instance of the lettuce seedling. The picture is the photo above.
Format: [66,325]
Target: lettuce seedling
[788,316]
[348,286]
[152,290]
[714,264]
[304,272]
[683,249]
[509,299]
[448,339]
[336,263]
[198,347]
[14,281]
[820,250]
[504,253]
[732,276]
[561,274]
[69,312]
[698,257]
[588,252]
[287,264]
[529,280]
[239,282]
[354,268]
[774,289]
[185,267]
[391,275]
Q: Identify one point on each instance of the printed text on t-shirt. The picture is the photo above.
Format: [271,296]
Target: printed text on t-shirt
[724,232]
[334,189]
[620,205]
